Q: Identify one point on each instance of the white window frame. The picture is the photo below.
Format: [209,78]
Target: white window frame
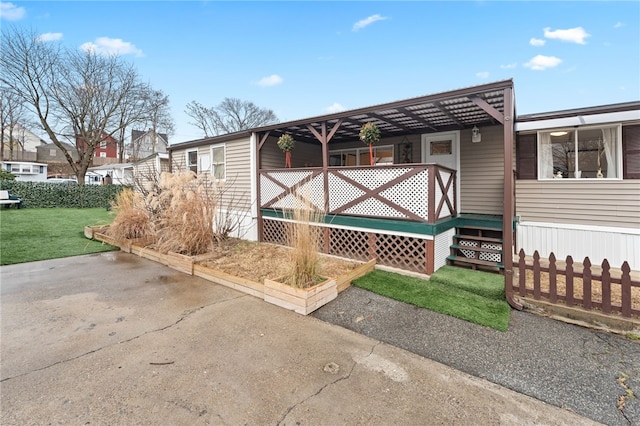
[365,150]
[618,153]
[189,165]
[213,164]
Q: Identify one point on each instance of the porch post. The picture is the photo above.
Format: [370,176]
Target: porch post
[507,209]
[325,166]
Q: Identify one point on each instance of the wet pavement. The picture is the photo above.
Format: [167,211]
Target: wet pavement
[116,339]
[578,369]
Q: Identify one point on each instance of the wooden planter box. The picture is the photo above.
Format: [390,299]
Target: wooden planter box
[244,285]
[89,231]
[301,300]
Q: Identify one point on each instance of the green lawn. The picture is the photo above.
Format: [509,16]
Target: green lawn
[458,292]
[27,235]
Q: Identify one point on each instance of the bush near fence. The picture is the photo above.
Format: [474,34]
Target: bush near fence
[62,195]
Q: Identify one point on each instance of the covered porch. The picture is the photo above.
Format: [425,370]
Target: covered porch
[404,209]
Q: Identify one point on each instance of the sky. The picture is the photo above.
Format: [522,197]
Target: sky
[304,59]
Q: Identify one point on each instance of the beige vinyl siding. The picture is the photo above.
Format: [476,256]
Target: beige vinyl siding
[238,170]
[604,202]
[482,172]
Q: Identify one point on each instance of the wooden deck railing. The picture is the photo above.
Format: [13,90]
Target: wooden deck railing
[588,286]
[418,192]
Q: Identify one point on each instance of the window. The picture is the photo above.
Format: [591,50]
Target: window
[103,144]
[579,153]
[218,166]
[360,156]
[103,154]
[192,161]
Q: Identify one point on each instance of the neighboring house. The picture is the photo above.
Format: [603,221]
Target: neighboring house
[24,142]
[106,149]
[578,183]
[146,172]
[146,143]
[120,173]
[442,189]
[51,153]
[26,171]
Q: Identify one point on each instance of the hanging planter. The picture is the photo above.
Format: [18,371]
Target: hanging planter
[286,143]
[370,135]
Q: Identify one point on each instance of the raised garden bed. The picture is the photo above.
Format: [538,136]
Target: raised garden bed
[244,266]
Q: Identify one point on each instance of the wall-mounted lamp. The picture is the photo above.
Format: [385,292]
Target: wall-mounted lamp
[475,135]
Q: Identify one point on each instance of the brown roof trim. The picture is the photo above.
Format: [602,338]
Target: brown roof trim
[601,109]
[442,96]
[210,140]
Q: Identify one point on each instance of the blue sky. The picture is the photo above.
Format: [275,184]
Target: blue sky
[303,59]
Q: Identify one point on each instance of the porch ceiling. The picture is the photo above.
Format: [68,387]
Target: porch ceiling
[453,110]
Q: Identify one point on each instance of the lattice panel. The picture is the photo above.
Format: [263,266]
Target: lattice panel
[373,207]
[492,257]
[290,178]
[269,190]
[468,253]
[401,252]
[341,192]
[372,178]
[411,193]
[314,191]
[349,243]
[274,231]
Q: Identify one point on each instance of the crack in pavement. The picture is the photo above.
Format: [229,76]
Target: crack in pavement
[184,315]
[322,388]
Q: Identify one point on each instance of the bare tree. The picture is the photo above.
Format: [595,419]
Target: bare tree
[232,115]
[158,119]
[81,98]
[12,114]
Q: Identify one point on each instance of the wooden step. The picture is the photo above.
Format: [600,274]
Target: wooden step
[472,248]
[477,238]
[477,262]
[481,228]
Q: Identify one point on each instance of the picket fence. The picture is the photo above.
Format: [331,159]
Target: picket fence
[579,285]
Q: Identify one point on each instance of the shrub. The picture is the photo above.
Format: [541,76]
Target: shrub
[47,194]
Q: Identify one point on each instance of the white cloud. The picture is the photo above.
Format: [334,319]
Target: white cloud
[271,80]
[573,35]
[335,107]
[367,21]
[49,37]
[537,42]
[11,12]
[541,62]
[509,66]
[618,25]
[482,74]
[111,46]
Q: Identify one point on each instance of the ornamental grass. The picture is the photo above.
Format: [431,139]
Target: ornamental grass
[186,221]
[132,220]
[304,237]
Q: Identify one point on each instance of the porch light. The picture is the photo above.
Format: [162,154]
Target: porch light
[475,135]
[558,133]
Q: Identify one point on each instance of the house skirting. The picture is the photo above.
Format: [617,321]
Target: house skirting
[416,247]
[617,245]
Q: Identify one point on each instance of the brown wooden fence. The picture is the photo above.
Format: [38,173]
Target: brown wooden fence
[584,285]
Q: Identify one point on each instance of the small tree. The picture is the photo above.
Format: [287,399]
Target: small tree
[370,135]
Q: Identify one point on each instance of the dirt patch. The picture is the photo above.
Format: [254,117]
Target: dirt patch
[596,289]
[257,261]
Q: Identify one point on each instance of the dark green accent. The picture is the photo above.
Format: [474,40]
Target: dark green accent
[465,219]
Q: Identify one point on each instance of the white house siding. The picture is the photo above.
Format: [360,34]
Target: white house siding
[595,218]
[441,249]
[482,172]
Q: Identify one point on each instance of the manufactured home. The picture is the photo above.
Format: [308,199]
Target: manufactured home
[448,182]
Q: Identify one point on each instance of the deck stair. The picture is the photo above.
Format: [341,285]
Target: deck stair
[477,247]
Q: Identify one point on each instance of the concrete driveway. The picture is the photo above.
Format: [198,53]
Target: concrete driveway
[116,339]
